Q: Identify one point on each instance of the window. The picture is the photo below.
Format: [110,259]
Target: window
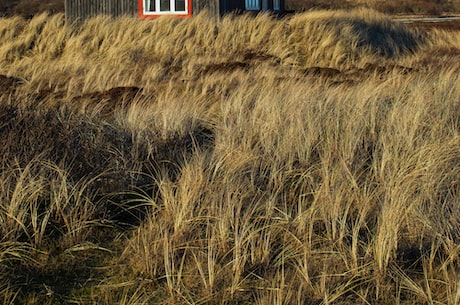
[155,7]
[276,5]
[165,5]
[252,5]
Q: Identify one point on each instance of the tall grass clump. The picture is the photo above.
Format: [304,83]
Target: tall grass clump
[246,160]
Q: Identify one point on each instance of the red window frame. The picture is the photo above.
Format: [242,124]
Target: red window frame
[156,15]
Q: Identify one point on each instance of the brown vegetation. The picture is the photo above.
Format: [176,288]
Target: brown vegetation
[425,7]
[309,160]
[29,8]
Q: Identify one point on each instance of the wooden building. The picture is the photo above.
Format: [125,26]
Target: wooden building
[83,9]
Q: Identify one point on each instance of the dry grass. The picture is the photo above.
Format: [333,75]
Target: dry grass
[425,7]
[310,160]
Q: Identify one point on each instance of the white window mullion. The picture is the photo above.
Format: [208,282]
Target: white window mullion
[173,5]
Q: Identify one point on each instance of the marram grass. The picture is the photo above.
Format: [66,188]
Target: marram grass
[249,160]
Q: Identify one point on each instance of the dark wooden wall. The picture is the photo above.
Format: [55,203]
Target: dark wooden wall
[83,9]
[212,6]
[233,6]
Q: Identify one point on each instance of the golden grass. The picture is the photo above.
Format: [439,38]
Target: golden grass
[250,160]
[423,7]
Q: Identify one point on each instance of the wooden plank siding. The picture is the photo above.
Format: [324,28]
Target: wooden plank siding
[83,9]
[212,6]
[233,5]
